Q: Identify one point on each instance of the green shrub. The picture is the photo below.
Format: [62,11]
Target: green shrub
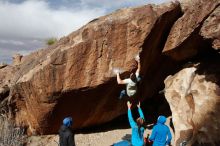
[51,41]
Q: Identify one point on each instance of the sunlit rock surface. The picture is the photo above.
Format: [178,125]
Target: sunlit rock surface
[194,98]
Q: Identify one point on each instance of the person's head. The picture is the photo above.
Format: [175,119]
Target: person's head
[161,119]
[133,77]
[68,121]
[140,122]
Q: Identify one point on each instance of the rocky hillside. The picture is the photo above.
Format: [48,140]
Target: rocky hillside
[75,76]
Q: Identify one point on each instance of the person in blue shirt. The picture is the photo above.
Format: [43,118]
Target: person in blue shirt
[161,135]
[137,137]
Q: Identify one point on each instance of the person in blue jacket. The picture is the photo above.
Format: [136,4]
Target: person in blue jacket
[161,135]
[137,137]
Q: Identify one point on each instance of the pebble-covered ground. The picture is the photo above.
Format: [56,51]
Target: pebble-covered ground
[104,138]
[93,139]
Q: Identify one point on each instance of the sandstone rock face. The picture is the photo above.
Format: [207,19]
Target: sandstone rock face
[183,40]
[2,65]
[211,28]
[6,74]
[17,59]
[4,91]
[193,93]
[194,96]
[74,77]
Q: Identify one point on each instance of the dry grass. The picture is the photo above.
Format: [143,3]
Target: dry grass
[10,135]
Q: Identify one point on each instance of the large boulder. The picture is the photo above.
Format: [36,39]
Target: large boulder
[194,98]
[193,92]
[75,76]
[185,40]
[211,28]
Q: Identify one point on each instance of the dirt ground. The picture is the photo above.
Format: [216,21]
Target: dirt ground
[94,139]
[104,138]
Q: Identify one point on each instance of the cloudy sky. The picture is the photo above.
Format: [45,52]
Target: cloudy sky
[26,24]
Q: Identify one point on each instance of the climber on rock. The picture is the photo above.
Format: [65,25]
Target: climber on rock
[131,83]
[66,136]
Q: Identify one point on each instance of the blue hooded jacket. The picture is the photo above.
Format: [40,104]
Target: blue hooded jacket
[68,121]
[137,138]
[161,135]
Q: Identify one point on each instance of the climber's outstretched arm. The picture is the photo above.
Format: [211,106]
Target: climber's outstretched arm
[140,110]
[130,118]
[139,67]
[119,80]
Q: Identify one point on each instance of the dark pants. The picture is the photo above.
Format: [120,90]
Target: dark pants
[123,94]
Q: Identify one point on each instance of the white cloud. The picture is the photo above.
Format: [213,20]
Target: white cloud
[116,4]
[22,46]
[35,19]
[25,24]
[14,42]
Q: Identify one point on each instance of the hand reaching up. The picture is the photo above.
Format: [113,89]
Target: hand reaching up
[139,104]
[117,70]
[129,105]
[137,58]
